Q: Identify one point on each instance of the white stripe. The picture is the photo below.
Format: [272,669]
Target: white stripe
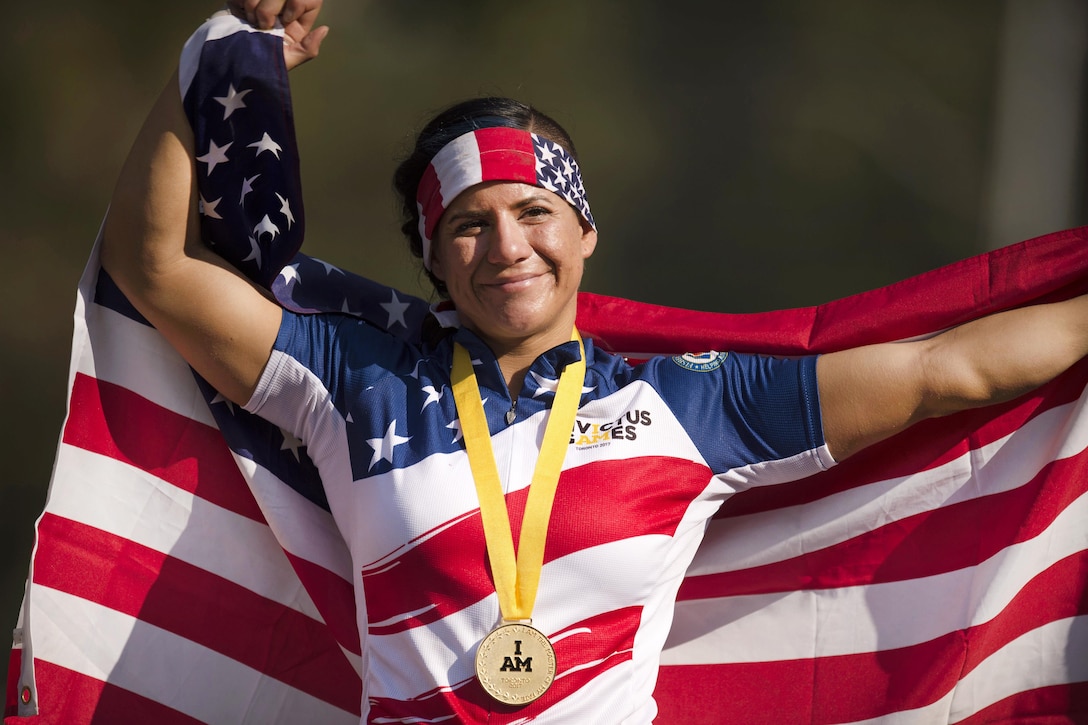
[854,620]
[1054,654]
[457,167]
[105,644]
[130,354]
[1040,658]
[445,648]
[127,502]
[746,541]
[302,528]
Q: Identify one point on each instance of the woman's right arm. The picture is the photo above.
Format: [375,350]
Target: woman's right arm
[221,323]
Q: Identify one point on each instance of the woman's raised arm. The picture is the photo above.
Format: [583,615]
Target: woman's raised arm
[873,392]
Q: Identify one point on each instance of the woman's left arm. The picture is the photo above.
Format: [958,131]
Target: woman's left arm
[873,392]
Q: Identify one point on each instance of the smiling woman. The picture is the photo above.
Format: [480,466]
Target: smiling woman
[461,610]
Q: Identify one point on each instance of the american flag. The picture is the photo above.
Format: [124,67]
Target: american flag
[187,569]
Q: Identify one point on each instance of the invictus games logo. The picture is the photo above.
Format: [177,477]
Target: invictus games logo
[702,362]
[624,428]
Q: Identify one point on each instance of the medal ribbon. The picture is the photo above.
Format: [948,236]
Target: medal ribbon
[516,576]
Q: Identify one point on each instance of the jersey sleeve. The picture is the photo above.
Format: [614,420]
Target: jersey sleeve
[318,364]
[754,418]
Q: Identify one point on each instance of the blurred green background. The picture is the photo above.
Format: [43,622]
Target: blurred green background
[738,156]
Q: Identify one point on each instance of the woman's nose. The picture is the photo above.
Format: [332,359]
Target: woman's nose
[508,244]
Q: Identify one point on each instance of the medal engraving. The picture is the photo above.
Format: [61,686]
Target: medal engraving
[515,664]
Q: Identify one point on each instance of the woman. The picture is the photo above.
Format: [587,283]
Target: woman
[570,622]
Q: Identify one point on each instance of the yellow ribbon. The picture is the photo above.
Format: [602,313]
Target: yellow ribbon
[516,576]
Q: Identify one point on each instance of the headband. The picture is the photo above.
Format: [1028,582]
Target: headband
[497,153]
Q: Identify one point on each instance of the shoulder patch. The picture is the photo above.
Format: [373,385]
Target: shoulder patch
[701,362]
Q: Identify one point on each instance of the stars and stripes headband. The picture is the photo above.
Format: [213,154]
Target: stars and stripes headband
[498,153]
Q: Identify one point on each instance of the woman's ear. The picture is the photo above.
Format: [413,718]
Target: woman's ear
[589,239]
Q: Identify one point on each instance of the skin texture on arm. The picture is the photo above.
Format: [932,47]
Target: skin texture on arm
[221,323]
[873,392]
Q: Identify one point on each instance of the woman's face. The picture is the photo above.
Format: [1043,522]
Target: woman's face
[512,255]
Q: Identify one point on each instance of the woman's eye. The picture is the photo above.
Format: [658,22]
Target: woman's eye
[467,227]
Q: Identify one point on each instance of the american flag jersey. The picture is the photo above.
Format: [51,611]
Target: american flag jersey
[186,568]
[654,451]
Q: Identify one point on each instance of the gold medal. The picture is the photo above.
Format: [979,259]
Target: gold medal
[515,663]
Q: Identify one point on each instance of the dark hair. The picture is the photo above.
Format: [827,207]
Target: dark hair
[455,121]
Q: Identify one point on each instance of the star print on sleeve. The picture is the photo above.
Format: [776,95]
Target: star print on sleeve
[433,396]
[455,426]
[549,385]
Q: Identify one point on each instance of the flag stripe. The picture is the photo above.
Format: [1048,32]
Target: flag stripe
[179,672]
[1039,269]
[1061,703]
[109,496]
[933,542]
[869,686]
[785,626]
[112,421]
[764,538]
[124,576]
[81,698]
[926,446]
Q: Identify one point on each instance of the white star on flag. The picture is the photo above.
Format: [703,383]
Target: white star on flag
[254,252]
[383,447]
[433,396]
[290,272]
[265,226]
[396,310]
[216,155]
[290,443]
[220,399]
[247,186]
[266,144]
[546,154]
[207,208]
[232,101]
[285,209]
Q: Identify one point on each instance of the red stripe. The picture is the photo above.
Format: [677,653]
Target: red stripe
[113,421]
[1055,705]
[66,697]
[334,597]
[922,447]
[934,542]
[1052,267]
[869,685]
[195,604]
[609,643]
[506,154]
[11,694]
[453,564]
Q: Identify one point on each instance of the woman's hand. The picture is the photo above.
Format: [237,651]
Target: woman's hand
[302,41]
